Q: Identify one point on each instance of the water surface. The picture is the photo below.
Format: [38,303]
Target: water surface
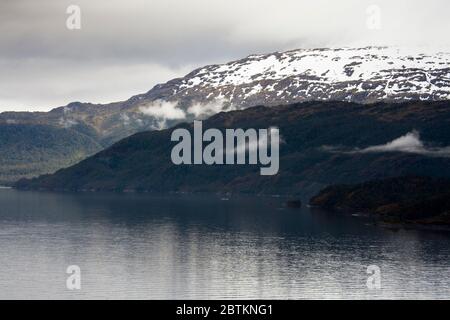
[201,247]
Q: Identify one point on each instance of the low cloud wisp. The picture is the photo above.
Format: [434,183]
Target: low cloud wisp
[409,143]
[162,111]
[204,110]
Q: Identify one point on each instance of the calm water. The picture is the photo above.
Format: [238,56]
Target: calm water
[188,247]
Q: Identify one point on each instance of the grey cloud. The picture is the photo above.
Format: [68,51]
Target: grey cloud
[167,38]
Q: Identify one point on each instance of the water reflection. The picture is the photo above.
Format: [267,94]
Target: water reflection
[197,246]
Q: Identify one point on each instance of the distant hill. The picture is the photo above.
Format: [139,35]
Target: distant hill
[405,199]
[323,143]
[362,75]
[29,150]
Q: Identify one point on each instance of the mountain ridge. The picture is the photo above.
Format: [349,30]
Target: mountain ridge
[362,75]
[142,162]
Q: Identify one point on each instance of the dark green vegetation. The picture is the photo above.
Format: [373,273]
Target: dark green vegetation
[34,143]
[28,150]
[404,199]
[142,162]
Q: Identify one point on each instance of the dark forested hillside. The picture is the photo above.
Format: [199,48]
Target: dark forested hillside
[322,143]
[29,150]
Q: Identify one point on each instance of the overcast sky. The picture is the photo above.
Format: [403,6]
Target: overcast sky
[126,47]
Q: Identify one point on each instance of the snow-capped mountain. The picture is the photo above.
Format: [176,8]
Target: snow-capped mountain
[361,75]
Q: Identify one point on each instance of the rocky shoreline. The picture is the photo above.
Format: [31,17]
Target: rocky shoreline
[409,200]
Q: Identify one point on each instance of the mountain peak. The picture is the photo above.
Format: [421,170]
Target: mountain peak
[363,75]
